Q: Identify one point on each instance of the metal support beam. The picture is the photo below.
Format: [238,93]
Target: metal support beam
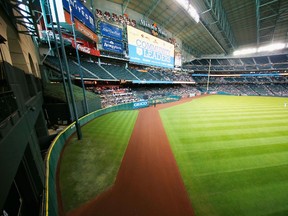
[267,16]
[268,3]
[219,15]
[77,124]
[21,13]
[257,21]
[86,108]
[125,5]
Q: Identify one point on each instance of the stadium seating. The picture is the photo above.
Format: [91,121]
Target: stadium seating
[120,72]
[97,70]
[74,68]
[142,75]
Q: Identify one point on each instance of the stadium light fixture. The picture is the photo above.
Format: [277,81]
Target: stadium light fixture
[190,9]
[271,47]
[245,51]
[267,48]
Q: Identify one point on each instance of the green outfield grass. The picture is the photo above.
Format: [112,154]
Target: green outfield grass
[232,153]
[89,166]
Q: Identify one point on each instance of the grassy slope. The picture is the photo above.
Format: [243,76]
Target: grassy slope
[90,166]
[232,153]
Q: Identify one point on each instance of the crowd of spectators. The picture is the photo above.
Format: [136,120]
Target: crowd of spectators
[164,90]
[113,95]
[171,75]
[266,86]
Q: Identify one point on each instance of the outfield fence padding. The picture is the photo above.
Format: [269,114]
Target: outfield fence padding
[50,202]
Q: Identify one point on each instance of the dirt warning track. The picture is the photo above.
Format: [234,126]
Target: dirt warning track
[148,182]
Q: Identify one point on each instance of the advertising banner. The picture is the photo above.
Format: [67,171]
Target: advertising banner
[111,45]
[110,31]
[82,45]
[140,104]
[84,30]
[79,11]
[84,21]
[86,48]
[149,50]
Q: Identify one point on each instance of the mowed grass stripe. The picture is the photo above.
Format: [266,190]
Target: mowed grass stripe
[240,123]
[232,153]
[221,144]
[90,166]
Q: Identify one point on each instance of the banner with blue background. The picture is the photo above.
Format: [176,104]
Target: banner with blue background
[110,31]
[79,11]
[111,45]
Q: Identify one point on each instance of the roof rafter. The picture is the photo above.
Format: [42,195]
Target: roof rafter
[125,5]
[219,14]
[267,15]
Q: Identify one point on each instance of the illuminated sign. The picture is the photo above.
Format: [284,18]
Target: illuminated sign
[149,50]
[110,31]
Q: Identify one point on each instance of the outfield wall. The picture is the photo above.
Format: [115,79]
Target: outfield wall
[50,202]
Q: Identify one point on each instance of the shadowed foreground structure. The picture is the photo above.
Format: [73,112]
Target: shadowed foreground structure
[148,182]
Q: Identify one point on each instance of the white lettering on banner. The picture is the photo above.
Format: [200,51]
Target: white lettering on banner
[81,11]
[111,31]
[153,52]
[140,104]
[83,48]
[112,46]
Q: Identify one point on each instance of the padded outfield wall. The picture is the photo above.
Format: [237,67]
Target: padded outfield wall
[50,203]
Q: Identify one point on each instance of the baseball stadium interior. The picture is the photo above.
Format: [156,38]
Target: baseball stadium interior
[61,60]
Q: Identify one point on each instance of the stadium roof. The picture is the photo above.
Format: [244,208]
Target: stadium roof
[224,25]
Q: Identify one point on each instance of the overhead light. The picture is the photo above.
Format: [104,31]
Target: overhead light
[190,9]
[245,51]
[267,48]
[271,47]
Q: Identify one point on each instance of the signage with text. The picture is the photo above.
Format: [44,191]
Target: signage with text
[79,11]
[110,31]
[149,50]
[140,104]
[111,45]
[84,21]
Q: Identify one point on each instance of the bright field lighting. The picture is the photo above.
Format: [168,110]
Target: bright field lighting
[271,47]
[267,48]
[190,9]
[245,51]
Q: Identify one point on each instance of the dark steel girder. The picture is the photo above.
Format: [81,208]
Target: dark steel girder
[267,15]
[218,13]
[21,13]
